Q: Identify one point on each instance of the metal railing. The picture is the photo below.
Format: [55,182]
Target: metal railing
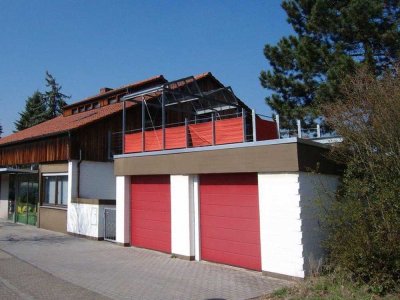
[158,132]
[304,133]
[249,130]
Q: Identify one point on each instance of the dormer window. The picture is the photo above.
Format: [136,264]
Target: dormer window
[88,107]
[112,100]
[96,105]
[81,108]
[74,111]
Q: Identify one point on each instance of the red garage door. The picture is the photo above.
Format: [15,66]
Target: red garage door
[151,212]
[229,219]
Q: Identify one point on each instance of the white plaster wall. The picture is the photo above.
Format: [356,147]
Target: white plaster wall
[182,215]
[280,224]
[87,219]
[316,192]
[4,186]
[83,219]
[97,180]
[72,218]
[123,185]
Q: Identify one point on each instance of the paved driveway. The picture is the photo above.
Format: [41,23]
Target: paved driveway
[127,273]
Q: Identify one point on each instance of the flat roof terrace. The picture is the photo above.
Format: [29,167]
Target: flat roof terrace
[278,155]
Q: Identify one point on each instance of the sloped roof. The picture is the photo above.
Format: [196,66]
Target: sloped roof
[63,124]
[138,84]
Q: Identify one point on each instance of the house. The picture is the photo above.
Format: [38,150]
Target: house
[34,163]
[187,168]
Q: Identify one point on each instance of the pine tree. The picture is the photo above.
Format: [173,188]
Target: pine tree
[54,99]
[41,107]
[34,113]
[1,130]
[332,39]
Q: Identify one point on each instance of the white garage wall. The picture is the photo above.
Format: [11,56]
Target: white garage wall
[123,184]
[4,183]
[182,216]
[97,180]
[289,220]
[280,224]
[316,192]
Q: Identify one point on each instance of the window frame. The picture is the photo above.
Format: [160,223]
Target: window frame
[59,177]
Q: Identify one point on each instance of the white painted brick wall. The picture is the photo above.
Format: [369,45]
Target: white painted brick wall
[182,215]
[290,206]
[316,191]
[123,186]
[280,224]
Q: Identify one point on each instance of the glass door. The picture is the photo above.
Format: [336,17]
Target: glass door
[11,197]
[22,199]
[33,197]
[26,195]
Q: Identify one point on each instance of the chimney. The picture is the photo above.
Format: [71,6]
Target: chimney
[105,90]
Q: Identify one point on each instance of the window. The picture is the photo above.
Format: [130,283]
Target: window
[55,190]
[96,105]
[112,100]
[74,111]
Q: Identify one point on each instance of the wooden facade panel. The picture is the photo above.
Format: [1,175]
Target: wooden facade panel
[44,150]
[92,142]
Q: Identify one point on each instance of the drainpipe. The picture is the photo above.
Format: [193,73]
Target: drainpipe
[253,122]
[78,171]
[298,129]
[278,129]
[69,145]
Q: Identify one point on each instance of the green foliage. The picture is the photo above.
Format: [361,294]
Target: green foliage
[333,286]
[331,39]
[34,113]
[54,99]
[41,107]
[281,293]
[1,130]
[364,221]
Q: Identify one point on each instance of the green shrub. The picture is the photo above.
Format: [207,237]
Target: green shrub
[334,286]
[364,221]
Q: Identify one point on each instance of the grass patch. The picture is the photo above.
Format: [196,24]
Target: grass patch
[332,287]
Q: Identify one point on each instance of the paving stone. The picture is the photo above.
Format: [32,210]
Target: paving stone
[20,280]
[126,272]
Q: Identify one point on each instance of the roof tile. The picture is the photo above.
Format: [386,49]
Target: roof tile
[63,124]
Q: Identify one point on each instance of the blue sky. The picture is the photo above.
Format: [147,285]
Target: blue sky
[91,44]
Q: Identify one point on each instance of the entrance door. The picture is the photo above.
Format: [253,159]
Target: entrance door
[27,196]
